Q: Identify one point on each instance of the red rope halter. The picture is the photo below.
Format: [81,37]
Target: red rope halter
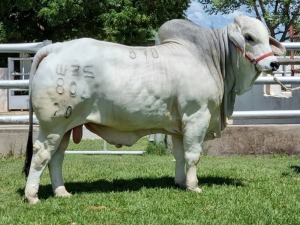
[254,61]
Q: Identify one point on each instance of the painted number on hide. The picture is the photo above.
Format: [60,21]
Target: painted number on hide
[61,69]
[75,70]
[153,53]
[87,71]
[60,87]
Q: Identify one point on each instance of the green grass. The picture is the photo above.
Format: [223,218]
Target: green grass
[139,190]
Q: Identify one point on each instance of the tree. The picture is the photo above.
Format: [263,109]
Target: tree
[278,15]
[123,21]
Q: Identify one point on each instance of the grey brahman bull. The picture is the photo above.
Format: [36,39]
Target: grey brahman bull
[184,87]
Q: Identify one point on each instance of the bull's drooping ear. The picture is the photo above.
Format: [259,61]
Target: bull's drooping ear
[235,35]
[277,47]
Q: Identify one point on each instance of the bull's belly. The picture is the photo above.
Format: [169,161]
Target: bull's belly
[122,119]
[142,119]
[117,137]
[125,127]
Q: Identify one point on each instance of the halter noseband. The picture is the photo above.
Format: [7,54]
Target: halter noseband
[255,61]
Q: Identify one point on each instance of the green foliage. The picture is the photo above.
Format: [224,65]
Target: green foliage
[278,15]
[118,26]
[2,33]
[154,148]
[123,21]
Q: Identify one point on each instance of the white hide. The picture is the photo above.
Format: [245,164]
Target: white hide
[123,93]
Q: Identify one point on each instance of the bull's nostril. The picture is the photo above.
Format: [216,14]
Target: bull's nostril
[274,65]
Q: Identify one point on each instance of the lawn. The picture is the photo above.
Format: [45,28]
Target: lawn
[113,189]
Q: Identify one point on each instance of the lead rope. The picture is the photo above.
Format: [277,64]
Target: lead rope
[283,86]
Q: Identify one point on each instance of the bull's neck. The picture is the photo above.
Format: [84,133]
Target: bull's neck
[228,64]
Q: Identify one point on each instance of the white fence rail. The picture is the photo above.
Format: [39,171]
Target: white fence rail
[14,84]
[238,115]
[23,47]
[23,84]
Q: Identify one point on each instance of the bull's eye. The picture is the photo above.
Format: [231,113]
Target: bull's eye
[249,38]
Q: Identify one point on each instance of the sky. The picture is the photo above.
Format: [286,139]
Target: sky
[196,14]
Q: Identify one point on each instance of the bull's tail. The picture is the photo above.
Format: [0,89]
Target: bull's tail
[29,148]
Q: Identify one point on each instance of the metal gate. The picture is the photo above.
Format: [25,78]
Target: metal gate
[18,69]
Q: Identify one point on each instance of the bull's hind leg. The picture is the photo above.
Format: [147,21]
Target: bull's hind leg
[43,148]
[55,168]
[180,177]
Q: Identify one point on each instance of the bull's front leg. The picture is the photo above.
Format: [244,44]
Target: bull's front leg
[195,128]
[192,157]
[55,168]
[43,148]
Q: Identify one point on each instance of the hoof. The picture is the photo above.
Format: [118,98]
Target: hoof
[64,195]
[197,189]
[62,192]
[32,201]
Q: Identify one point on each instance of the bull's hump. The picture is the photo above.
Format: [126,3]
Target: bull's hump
[182,30]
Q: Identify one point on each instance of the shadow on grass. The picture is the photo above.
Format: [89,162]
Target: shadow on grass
[295,168]
[210,181]
[122,185]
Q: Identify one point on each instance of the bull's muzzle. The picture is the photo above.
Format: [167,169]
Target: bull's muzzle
[274,65]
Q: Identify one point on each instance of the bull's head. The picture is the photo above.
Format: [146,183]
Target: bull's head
[252,40]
